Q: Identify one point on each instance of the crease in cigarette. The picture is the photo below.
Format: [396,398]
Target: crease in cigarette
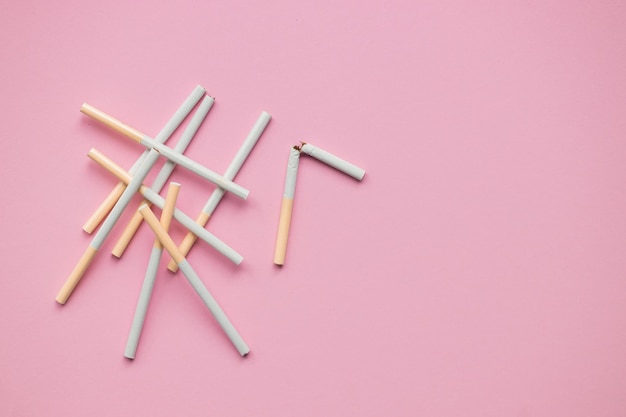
[104,231]
[164,174]
[181,113]
[195,281]
[158,201]
[150,277]
[287,206]
[333,161]
[230,174]
[165,151]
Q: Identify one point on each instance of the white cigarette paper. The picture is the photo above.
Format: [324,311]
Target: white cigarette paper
[195,167]
[165,133]
[195,281]
[150,276]
[164,174]
[167,152]
[286,207]
[334,161]
[232,170]
[158,201]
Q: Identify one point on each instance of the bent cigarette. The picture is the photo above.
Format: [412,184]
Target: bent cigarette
[101,212]
[195,281]
[151,272]
[286,207]
[97,241]
[333,160]
[158,201]
[167,152]
[164,174]
[217,195]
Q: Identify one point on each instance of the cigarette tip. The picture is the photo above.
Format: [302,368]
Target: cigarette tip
[299,147]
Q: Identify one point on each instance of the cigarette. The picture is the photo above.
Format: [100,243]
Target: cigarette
[158,201]
[167,152]
[217,195]
[164,174]
[151,272]
[101,212]
[286,207]
[97,241]
[334,161]
[194,280]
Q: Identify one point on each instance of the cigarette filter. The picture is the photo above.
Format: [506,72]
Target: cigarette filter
[286,207]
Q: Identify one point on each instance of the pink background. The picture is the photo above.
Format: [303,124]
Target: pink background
[478,270]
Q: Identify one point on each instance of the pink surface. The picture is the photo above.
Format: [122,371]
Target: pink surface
[478,269]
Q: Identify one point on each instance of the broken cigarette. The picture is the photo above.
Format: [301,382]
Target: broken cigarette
[164,174]
[167,152]
[218,193]
[194,280]
[287,206]
[150,276]
[333,160]
[105,207]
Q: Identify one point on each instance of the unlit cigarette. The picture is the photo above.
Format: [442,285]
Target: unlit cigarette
[195,281]
[158,201]
[218,193]
[169,128]
[333,160]
[164,174]
[286,207]
[167,152]
[151,272]
[107,226]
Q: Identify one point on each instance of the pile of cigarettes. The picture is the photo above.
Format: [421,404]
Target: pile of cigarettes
[131,182]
